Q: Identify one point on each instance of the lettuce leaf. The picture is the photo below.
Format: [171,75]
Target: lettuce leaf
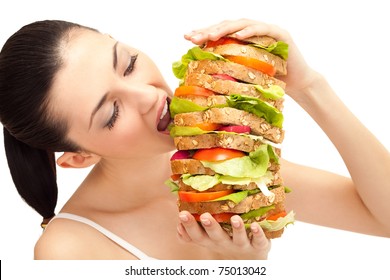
[179,68]
[278,224]
[257,212]
[201,182]
[180,105]
[273,92]
[279,48]
[237,197]
[172,185]
[205,182]
[186,131]
[257,107]
[253,166]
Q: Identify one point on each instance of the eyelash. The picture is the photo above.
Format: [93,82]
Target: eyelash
[115,114]
[114,117]
[130,68]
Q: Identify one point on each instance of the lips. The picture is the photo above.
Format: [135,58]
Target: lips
[165,117]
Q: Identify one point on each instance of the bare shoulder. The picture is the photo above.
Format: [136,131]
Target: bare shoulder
[65,239]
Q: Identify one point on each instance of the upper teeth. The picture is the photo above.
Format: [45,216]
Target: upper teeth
[164,111]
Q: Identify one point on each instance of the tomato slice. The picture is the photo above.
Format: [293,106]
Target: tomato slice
[236,128]
[277,216]
[224,77]
[220,218]
[259,65]
[201,196]
[208,126]
[193,90]
[223,41]
[181,154]
[217,154]
[175,177]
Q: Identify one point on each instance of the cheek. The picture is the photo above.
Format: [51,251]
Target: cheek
[126,139]
[125,135]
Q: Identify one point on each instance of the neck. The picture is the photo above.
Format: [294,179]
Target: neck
[132,181]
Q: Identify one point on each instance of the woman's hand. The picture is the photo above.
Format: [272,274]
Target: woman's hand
[212,236]
[299,75]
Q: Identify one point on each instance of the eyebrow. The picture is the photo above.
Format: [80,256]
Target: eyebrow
[98,106]
[104,98]
[115,55]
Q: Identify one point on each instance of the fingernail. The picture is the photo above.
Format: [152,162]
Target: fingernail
[213,33]
[205,221]
[189,34]
[179,230]
[235,223]
[255,228]
[196,37]
[240,33]
[183,217]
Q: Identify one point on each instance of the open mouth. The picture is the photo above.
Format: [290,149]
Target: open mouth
[165,118]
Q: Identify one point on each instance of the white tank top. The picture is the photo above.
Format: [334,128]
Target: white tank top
[118,240]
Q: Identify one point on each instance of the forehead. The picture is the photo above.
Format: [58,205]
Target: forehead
[85,51]
[87,61]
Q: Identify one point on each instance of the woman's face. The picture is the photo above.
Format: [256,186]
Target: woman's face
[113,97]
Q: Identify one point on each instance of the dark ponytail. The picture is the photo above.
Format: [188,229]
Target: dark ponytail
[34,175]
[29,61]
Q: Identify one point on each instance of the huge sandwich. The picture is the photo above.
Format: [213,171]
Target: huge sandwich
[228,129]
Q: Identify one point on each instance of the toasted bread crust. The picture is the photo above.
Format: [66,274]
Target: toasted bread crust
[189,166]
[227,87]
[234,141]
[273,234]
[237,71]
[251,202]
[232,116]
[252,52]
[209,101]
[222,140]
[263,40]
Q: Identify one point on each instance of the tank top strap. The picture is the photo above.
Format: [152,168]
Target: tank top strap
[118,240]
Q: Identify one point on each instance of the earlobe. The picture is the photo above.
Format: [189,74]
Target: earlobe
[77,160]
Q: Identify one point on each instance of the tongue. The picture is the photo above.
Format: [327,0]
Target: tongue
[164,122]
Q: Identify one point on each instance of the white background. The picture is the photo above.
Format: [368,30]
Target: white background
[346,41]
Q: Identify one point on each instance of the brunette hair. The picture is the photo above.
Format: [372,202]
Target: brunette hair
[29,62]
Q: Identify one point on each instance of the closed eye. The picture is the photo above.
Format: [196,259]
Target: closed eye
[115,114]
[130,67]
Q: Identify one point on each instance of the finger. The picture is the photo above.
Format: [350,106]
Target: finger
[215,32]
[262,29]
[241,29]
[201,33]
[240,236]
[194,231]
[213,229]
[182,233]
[259,240]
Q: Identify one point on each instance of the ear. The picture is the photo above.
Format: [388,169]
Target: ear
[77,160]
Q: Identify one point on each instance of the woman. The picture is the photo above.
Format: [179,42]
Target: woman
[72,89]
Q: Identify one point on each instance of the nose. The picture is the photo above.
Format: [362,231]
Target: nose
[142,97]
